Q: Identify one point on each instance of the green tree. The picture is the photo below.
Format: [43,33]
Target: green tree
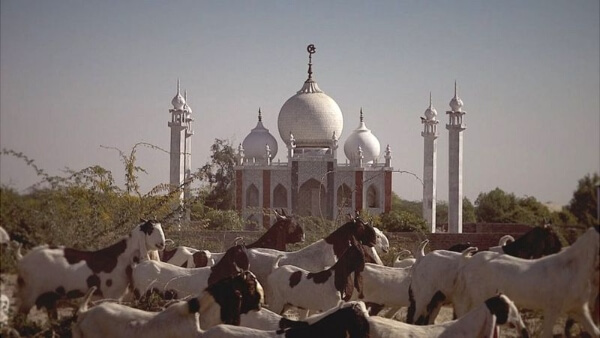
[584,204]
[220,176]
[468,211]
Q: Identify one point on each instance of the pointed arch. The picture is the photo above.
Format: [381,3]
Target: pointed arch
[312,199]
[372,197]
[280,199]
[344,196]
[252,196]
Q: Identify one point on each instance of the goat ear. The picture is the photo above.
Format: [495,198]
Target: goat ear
[283,212]
[277,215]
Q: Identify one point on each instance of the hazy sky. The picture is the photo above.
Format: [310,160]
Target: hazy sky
[79,75]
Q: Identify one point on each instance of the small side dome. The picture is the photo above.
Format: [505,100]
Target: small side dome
[456,103]
[363,138]
[430,112]
[178,101]
[255,143]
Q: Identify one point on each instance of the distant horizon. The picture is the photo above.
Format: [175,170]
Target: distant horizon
[78,78]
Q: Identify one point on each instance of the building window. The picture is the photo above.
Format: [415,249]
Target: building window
[280,197]
[372,197]
[252,196]
[344,196]
[312,199]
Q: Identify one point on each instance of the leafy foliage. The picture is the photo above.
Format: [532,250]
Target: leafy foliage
[584,204]
[220,176]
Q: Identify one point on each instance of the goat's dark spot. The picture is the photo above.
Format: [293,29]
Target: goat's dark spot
[136,293]
[147,227]
[193,305]
[499,308]
[47,300]
[109,282]
[320,277]
[410,314]
[20,282]
[200,259]
[60,291]
[93,280]
[103,260]
[129,272]
[168,254]
[295,278]
[436,301]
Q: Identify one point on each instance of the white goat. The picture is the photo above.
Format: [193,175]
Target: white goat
[48,274]
[319,291]
[188,257]
[173,282]
[432,284]
[116,320]
[555,284]
[4,308]
[4,237]
[350,320]
[480,322]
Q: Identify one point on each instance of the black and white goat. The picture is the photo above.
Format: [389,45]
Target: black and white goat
[555,284]
[224,300]
[432,283]
[478,323]
[318,291]
[348,321]
[48,274]
[174,282]
[316,256]
[538,242]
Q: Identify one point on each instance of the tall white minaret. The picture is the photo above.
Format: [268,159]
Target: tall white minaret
[430,135]
[181,144]
[455,163]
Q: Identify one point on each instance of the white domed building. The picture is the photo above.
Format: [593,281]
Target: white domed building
[311,182]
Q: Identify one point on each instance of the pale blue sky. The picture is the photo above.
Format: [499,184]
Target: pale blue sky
[78,75]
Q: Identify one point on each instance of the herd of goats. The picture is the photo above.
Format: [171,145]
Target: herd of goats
[335,287]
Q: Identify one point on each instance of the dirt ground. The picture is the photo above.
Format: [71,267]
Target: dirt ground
[533,322]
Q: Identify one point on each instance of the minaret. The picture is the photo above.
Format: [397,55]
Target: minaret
[430,135]
[455,163]
[181,144]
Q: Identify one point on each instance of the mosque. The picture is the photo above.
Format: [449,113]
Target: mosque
[313,182]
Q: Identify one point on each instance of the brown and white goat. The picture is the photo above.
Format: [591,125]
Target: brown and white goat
[174,282]
[319,291]
[48,274]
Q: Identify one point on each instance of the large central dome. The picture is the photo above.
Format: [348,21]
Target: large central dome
[311,116]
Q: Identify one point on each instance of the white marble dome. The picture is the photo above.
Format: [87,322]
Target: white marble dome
[255,143]
[311,116]
[362,137]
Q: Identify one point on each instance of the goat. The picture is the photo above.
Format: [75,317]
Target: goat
[479,322]
[554,284]
[348,321]
[116,320]
[316,256]
[535,243]
[319,291]
[432,284]
[49,274]
[285,230]
[225,301]
[172,282]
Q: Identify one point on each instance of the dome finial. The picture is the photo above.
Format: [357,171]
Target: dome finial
[311,49]
[259,115]
[178,86]
[430,100]
[456,103]
[361,115]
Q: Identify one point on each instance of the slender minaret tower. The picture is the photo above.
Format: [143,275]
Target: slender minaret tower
[430,135]
[181,144]
[455,163]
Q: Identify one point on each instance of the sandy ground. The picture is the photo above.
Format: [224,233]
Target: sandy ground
[533,323]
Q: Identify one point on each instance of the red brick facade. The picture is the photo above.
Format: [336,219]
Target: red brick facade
[266,198]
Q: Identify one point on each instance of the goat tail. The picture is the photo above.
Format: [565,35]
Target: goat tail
[421,250]
[83,307]
[505,240]
[402,253]
[276,263]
